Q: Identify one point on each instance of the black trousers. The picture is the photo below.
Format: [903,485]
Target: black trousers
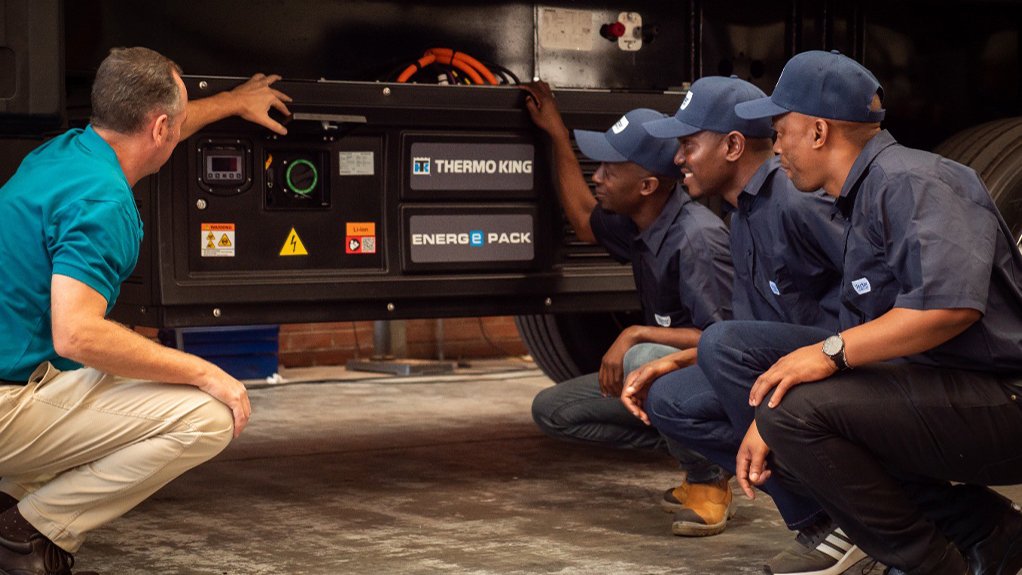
[879,447]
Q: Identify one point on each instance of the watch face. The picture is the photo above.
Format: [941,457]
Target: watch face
[832,345]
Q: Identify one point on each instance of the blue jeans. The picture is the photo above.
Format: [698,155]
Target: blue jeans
[576,410]
[706,407]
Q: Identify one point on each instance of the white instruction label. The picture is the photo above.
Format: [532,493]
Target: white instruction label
[356,163]
[562,29]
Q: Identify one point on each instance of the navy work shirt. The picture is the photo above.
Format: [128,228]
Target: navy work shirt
[787,250]
[681,263]
[925,234]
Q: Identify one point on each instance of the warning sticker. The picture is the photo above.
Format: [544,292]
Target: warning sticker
[360,238]
[217,240]
[293,245]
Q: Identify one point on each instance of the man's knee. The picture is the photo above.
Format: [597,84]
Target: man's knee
[544,408]
[791,419]
[643,353]
[657,403]
[713,338]
[671,404]
[213,422]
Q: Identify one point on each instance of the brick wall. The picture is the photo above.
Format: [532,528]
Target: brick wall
[312,344]
[315,344]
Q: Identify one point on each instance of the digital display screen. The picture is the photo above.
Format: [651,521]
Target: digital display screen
[224,163]
[225,167]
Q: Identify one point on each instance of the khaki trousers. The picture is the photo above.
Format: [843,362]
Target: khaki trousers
[81,448]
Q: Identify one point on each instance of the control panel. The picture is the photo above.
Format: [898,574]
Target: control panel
[224,166]
[371,206]
[294,212]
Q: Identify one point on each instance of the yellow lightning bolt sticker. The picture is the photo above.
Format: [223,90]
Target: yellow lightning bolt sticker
[293,245]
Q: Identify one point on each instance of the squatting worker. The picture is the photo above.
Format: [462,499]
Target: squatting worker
[680,261]
[896,423]
[88,433]
[787,253]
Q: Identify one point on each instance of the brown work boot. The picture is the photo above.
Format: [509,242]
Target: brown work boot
[674,498]
[700,509]
[37,556]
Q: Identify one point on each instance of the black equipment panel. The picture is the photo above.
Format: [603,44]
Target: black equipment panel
[370,208]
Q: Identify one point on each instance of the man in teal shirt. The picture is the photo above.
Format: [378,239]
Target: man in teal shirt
[92,420]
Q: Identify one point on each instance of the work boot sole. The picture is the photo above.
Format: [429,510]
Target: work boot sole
[692,529]
[670,506]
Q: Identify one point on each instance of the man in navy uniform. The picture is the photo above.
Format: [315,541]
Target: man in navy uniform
[682,268]
[920,388]
[786,251]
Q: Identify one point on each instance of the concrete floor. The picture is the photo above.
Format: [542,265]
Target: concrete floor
[363,474]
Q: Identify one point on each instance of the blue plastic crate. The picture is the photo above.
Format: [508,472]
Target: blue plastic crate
[245,352]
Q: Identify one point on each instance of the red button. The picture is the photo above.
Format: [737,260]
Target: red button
[612,31]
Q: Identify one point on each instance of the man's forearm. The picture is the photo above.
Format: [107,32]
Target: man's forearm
[115,349]
[679,337]
[576,198]
[205,111]
[903,332]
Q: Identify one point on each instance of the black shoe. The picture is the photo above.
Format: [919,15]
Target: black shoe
[949,563]
[37,556]
[1000,553]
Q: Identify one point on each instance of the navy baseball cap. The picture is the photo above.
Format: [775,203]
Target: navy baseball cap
[820,84]
[627,141]
[710,105]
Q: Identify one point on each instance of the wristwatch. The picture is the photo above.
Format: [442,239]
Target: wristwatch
[834,348]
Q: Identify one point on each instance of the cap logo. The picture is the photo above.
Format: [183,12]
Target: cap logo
[620,125]
[687,100]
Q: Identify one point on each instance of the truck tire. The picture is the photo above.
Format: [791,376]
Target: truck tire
[568,345]
[994,150]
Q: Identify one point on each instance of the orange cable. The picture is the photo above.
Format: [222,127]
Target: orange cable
[459,64]
[475,64]
[426,60]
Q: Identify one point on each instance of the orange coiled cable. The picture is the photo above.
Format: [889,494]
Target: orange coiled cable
[449,54]
[459,64]
[426,60]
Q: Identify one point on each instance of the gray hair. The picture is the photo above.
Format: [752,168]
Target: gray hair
[131,84]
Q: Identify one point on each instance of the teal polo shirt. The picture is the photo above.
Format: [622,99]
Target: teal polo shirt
[68,210]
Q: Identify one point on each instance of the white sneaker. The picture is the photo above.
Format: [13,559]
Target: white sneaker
[826,551]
